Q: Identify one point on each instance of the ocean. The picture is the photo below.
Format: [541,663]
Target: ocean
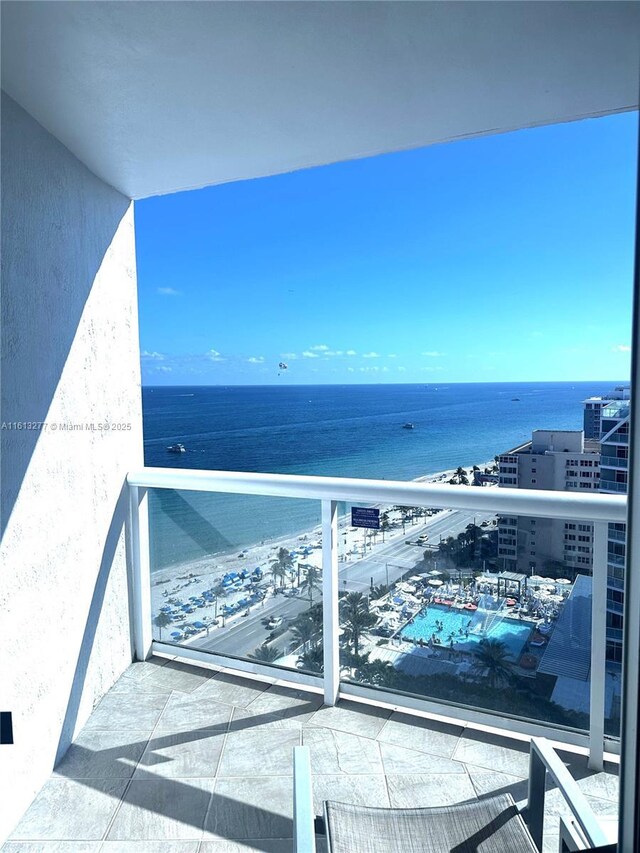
[327,430]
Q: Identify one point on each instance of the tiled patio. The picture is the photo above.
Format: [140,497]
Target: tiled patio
[182,759]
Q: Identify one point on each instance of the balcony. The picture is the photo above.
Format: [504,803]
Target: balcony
[194,743]
[613,462]
[200,756]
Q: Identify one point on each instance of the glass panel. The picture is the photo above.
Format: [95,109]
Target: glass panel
[468,609]
[237,575]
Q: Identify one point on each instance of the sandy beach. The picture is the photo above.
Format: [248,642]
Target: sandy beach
[189,579]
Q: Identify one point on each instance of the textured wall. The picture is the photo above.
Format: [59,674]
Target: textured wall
[69,357]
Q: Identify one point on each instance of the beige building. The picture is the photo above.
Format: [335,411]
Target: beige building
[555,460]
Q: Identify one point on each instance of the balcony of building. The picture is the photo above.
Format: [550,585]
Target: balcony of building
[188,759]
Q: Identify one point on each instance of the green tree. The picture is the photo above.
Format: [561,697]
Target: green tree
[385,524]
[312,580]
[303,631]
[494,656]
[266,653]
[379,591]
[161,621]
[406,513]
[282,565]
[312,660]
[355,617]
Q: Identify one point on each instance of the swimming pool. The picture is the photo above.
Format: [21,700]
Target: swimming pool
[512,633]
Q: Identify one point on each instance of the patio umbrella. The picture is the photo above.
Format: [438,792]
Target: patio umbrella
[562,581]
[548,580]
[435,582]
[536,579]
[434,573]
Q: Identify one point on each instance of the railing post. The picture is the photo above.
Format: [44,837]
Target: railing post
[140,573]
[535,802]
[598,645]
[330,618]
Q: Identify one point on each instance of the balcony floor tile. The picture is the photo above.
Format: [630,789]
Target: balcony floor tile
[428,736]
[68,810]
[181,756]
[352,717]
[334,752]
[429,789]
[251,807]
[161,809]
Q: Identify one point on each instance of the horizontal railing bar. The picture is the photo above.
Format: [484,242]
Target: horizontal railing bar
[539,503]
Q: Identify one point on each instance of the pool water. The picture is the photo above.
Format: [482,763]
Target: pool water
[468,628]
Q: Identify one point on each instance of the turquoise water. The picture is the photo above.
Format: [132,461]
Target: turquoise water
[512,633]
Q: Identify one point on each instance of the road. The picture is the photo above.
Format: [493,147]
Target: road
[388,562]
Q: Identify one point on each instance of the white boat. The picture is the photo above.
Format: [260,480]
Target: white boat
[177,448]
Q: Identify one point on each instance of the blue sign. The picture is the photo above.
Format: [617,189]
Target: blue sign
[364,517]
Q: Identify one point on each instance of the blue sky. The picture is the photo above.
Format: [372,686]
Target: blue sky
[503,258]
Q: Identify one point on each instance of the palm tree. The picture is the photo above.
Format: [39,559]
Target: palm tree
[312,580]
[303,630]
[312,660]
[161,621]
[379,591]
[385,524]
[266,653]
[405,513]
[278,572]
[282,565]
[494,656]
[356,617]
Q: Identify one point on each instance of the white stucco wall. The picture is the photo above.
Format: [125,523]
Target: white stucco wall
[69,356]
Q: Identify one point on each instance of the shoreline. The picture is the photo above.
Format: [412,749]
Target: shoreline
[206,571]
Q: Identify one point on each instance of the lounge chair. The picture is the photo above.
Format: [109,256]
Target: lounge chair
[492,825]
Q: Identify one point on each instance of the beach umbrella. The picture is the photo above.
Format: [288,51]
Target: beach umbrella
[548,580]
[536,579]
[563,581]
[434,573]
[435,582]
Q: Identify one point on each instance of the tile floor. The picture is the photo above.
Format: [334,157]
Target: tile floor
[182,759]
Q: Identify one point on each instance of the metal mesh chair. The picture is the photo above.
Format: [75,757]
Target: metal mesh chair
[492,825]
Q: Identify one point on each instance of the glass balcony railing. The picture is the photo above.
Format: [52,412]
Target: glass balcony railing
[394,592]
[618,438]
[611,486]
[613,462]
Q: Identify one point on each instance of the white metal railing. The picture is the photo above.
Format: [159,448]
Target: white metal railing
[598,509]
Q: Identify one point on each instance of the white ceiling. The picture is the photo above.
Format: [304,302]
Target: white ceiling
[162,96]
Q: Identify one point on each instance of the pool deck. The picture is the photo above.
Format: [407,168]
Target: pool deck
[188,759]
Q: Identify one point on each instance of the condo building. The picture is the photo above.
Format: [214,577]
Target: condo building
[593,407]
[614,461]
[554,460]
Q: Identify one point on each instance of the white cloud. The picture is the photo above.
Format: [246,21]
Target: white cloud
[385,369]
[368,369]
[351,369]
[214,355]
[402,370]
[290,356]
[621,348]
[256,359]
[330,353]
[433,354]
[168,291]
[392,355]
[308,354]
[319,348]
[162,368]
[156,356]
[370,355]
[351,352]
